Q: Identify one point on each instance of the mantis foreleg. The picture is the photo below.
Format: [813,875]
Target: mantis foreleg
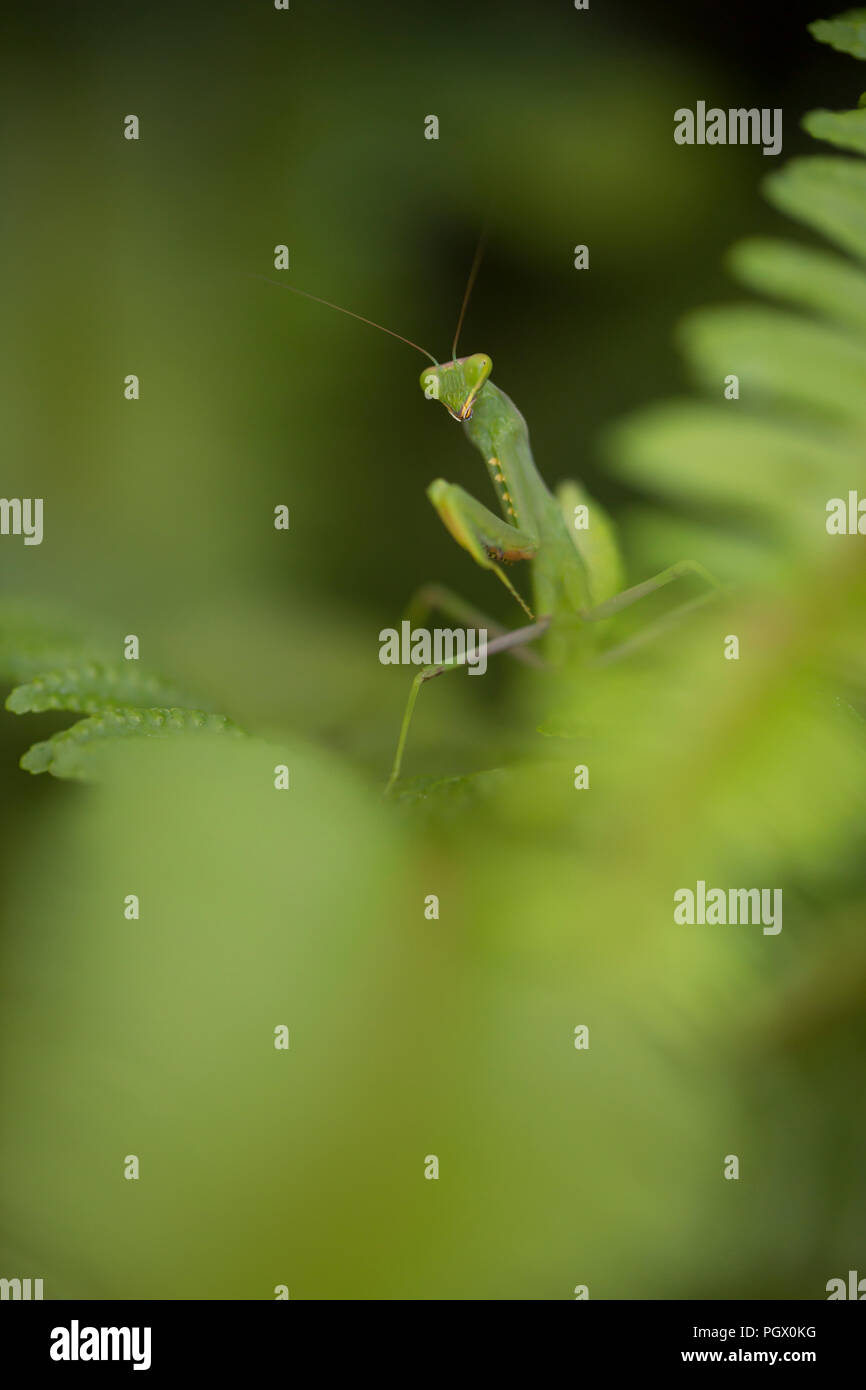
[490,540]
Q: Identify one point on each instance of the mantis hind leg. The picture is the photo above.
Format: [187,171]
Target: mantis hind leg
[649,586]
[656,629]
[661,625]
[595,541]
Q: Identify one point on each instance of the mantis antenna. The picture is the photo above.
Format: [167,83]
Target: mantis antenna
[479,252]
[340,310]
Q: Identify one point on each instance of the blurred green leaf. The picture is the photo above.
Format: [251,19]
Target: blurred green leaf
[826,193]
[804,275]
[73,752]
[846,31]
[91,688]
[844,128]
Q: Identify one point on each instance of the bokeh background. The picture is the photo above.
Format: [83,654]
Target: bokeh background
[411,1037]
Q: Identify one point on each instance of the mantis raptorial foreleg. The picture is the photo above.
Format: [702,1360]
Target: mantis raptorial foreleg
[490,540]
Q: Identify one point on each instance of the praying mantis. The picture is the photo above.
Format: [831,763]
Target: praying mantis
[576,571]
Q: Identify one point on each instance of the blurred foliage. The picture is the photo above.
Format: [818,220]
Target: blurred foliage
[122,699]
[306,908]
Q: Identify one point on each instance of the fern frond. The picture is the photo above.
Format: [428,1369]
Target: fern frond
[60,664]
[91,688]
[815,279]
[816,369]
[827,193]
[847,129]
[66,753]
[34,640]
[846,32]
[736,460]
[793,438]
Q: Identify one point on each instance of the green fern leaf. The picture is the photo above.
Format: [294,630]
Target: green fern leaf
[92,688]
[815,279]
[67,753]
[826,193]
[62,665]
[715,456]
[450,793]
[813,367]
[795,433]
[33,640]
[847,129]
[846,32]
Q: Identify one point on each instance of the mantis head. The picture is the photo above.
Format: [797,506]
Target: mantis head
[457,384]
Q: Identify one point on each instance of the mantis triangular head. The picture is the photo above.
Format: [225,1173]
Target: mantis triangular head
[457,384]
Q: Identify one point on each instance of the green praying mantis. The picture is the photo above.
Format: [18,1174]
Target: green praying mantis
[576,570]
